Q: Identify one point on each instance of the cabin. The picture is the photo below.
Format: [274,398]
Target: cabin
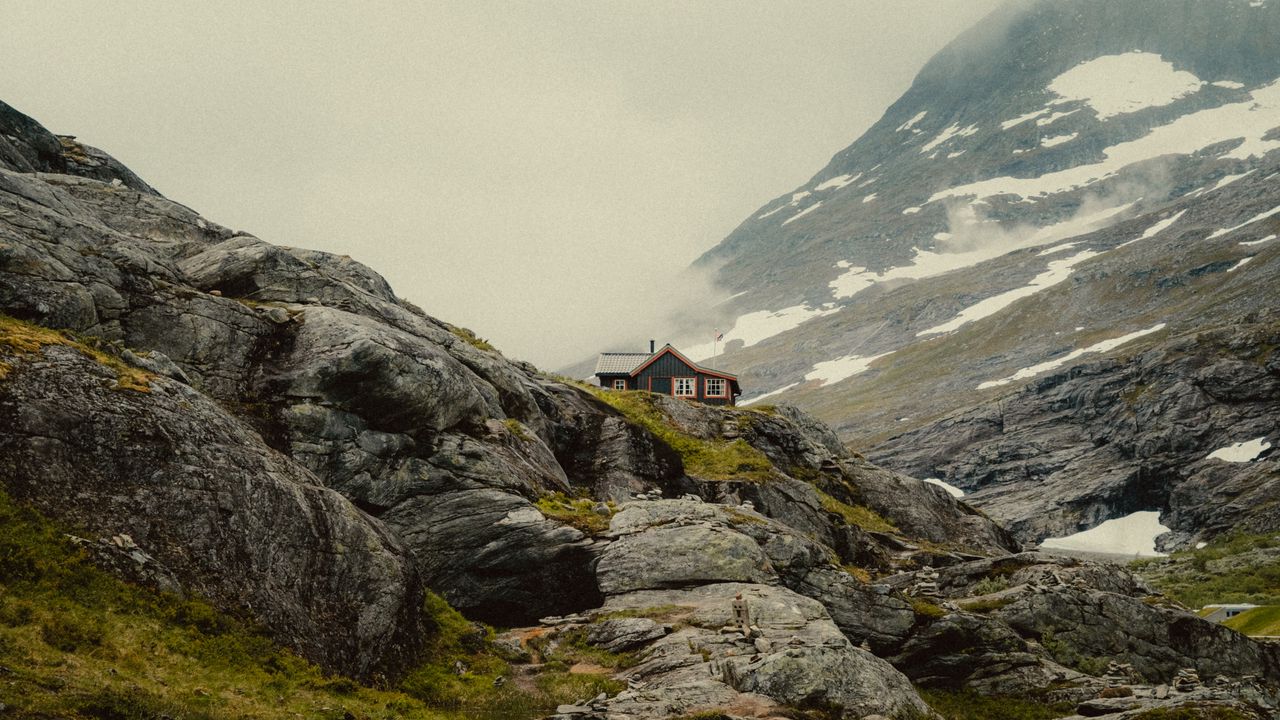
[1225,611]
[668,372]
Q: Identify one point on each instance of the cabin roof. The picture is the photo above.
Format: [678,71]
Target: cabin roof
[621,363]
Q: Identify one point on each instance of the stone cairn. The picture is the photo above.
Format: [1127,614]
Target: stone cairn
[1187,680]
[1119,674]
[926,584]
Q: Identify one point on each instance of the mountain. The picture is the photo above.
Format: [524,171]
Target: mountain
[1064,182]
[245,480]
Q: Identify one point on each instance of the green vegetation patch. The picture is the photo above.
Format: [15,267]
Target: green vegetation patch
[925,609]
[862,516]
[1258,621]
[24,338]
[969,705]
[1238,569]
[472,339]
[714,460]
[76,642]
[580,513]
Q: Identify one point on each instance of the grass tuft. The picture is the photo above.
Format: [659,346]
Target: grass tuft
[860,515]
[580,513]
[23,338]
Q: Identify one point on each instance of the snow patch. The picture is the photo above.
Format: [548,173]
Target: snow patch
[1268,238]
[1240,264]
[1055,117]
[1119,84]
[1156,229]
[771,393]
[1058,139]
[837,182]
[1101,347]
[833,371]
[1227,180]
[1028,117]
[952,132]
[1057,249]
[1133,534]
[912,210]
[912,122]
[803,212]
[1249,120]
[756,326]
[869,198]
[1250,221]
[1228,84]
[1241,452]
[952,489]
[1057,271]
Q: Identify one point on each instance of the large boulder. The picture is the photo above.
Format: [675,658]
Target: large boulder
[196,489]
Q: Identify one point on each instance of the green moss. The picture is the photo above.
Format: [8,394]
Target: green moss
[863,517]
[1258,621]
[988,585]
[23,338]
[580,513]
[472,339]
[925,609]
[710,459]
[969,705]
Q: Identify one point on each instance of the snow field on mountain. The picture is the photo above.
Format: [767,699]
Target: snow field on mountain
[1133,534]
[1248,120]
[1241,452]
[1100,347]
[833,371]
[929,263]
[756,326]
[1118,84]
[1057,271]
[1268,238]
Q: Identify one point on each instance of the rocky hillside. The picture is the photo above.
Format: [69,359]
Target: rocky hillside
[1065,181]
[272,429]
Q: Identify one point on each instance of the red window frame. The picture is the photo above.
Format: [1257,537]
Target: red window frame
[706,387]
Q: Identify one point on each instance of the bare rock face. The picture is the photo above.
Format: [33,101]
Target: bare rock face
[228,517]
[1112,437]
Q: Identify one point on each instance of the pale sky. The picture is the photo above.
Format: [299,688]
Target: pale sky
[536,171]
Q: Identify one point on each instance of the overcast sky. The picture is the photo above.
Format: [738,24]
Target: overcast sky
[534,171]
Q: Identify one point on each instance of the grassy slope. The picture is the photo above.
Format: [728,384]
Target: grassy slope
[76,642]
[1240,569]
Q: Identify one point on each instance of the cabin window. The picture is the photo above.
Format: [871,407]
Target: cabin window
[620,384]
[714,387]
[685,387]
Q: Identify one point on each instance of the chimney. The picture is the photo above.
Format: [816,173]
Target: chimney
[651,347]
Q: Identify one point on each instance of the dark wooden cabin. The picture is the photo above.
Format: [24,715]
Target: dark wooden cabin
[668,372]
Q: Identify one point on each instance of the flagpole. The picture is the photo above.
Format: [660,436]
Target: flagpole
[715,343]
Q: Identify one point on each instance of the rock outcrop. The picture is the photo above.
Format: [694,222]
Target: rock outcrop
[1112,437]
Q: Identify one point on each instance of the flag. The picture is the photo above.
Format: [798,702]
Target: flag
[719,336]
